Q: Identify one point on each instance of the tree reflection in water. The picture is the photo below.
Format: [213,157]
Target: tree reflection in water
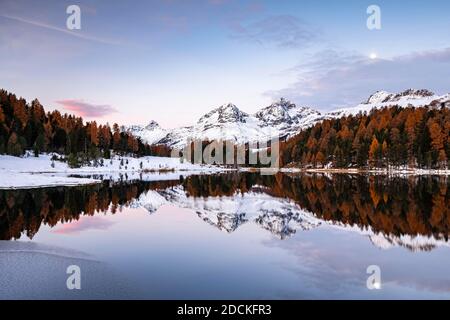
[394,206]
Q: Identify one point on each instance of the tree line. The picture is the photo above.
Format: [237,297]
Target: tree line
[26,126]
[392,136]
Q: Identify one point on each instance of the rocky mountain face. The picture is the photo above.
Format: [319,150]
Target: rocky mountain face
[227,113]
[280,119]
[286,117]
[410,94]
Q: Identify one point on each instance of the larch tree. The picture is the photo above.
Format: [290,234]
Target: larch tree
[374,151]
[93,131]
[14,147]
[384,152]
[320,158]
[437,140]
[2,115]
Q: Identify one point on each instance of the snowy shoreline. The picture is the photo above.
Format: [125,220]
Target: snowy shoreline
[393,172]
[30,172]
[23,180]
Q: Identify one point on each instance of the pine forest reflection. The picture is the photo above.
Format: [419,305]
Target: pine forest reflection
[388,206]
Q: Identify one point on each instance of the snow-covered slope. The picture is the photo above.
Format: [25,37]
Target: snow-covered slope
[380,99]
[151,133]
[31,172]
[286,117]
[281,119]
[228,123]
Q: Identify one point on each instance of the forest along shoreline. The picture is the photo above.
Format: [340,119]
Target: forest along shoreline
[44,171]
[39,148]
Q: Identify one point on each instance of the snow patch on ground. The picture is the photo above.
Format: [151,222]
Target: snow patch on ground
[31,172]
[15,180]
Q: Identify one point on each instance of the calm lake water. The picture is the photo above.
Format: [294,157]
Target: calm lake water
[232,236]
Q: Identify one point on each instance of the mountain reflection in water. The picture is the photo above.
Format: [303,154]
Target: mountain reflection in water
[392,211]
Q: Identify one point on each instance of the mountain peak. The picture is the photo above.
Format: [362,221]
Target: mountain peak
[284,112]
[224,114]
[228,108]
[276,113]
[419,93]
[378,97]
[151,133]
[152,125]
[404,99]
[283,103]
[385,97]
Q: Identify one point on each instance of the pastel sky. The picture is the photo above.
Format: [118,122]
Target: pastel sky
[174,60]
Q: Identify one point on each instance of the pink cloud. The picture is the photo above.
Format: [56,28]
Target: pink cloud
[84,109]
[84,224]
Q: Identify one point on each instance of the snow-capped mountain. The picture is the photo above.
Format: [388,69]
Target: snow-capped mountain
[280,119]
[229,123]
[286,117]
[151,133]
[381,99]
[408,95]
[227,113]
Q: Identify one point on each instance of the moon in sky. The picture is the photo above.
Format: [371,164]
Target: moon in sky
[373,56]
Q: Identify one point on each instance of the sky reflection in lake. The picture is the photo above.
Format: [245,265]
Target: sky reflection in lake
[171,244]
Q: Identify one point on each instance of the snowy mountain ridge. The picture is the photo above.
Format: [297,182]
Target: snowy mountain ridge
[281,119]
[407,98]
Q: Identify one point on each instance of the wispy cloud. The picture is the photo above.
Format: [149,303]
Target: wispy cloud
[217,2]
[332,79]
[174,23]
[285,31]
[47,26]
[84,109]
